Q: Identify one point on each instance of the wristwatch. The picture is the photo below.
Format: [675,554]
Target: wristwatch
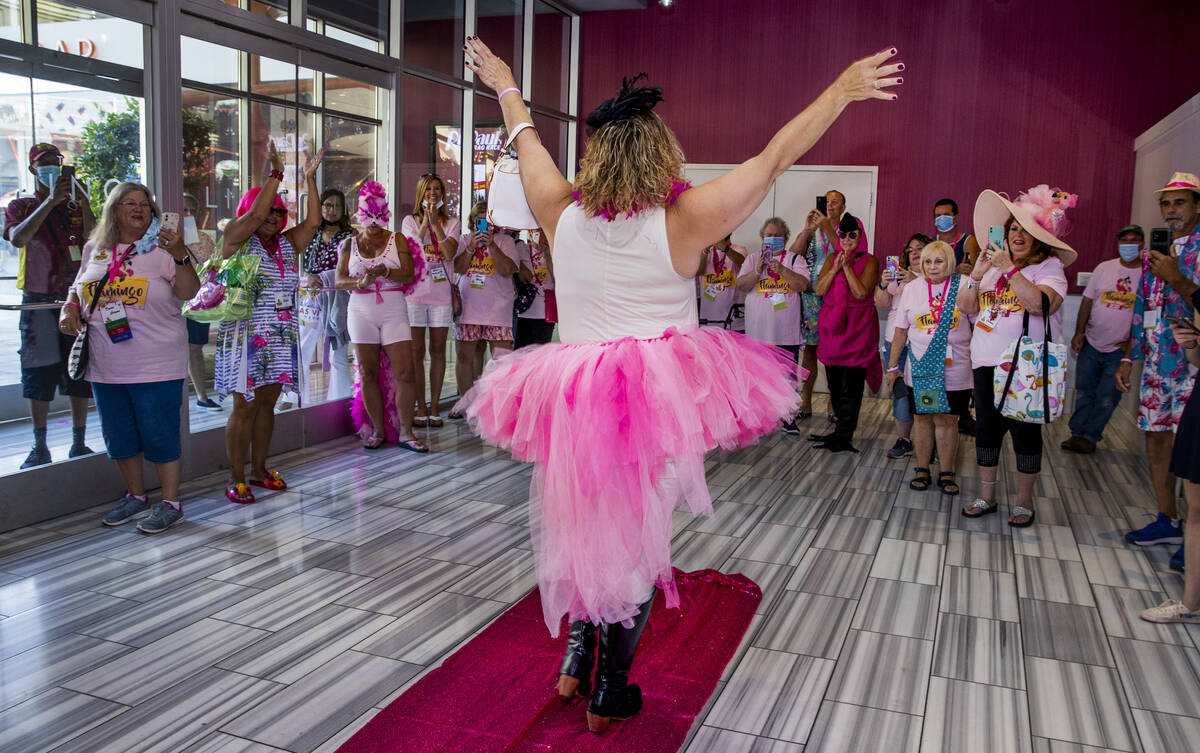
[184,260]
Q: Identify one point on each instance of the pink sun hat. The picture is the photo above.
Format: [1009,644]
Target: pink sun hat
[1041,211]
[1180,182]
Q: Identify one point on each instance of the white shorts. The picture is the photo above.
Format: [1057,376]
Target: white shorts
[426,315]
[373,323]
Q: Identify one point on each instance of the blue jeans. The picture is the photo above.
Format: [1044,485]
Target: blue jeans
[902,406]
[1096,394]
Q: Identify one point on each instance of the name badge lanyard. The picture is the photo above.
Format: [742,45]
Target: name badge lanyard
[935,308]
[114,266]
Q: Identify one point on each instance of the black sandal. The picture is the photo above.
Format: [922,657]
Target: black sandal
[922,480]
[946,481]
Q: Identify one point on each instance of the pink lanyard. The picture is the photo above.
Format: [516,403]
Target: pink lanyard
[936,310]
[718,262]
[115,265]
[277,255]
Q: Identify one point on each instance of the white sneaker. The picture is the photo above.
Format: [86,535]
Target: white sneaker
[1171,611]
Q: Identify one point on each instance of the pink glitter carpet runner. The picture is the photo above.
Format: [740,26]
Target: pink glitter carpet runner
[496,694]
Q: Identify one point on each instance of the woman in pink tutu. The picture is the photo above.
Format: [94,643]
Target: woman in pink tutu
[617,417]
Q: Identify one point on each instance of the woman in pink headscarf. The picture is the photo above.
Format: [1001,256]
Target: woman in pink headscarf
[377,267]
[848,330]
[258,358]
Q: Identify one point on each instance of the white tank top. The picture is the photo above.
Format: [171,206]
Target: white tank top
[357,264]
[614,279]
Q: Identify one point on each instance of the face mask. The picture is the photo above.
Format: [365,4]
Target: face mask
[1129,251]
[772,245]
[48,175]
[944,223]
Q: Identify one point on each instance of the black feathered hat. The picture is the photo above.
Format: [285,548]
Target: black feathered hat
[630,101]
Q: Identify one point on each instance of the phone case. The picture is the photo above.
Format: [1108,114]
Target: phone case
[170,221]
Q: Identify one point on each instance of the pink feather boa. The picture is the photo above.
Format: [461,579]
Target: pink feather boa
[358,410]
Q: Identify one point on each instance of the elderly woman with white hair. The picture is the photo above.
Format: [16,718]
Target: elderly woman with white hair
[133,275]
[938,368]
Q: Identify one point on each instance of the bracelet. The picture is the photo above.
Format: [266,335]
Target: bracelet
[500,96]
[893,368]
[1126,360]
[276,174]
[185,260]
[73,305]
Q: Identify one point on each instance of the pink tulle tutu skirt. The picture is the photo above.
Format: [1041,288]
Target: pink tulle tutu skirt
[618,432]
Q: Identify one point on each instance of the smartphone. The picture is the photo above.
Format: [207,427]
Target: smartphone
[1160,240]
[68,170]
[822,205]
[481,224]
[1185,323]
[892,266]
[996,235]
[170,221]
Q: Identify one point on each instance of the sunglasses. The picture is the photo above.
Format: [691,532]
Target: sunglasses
[852,235]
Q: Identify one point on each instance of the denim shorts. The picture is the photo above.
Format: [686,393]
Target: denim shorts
[141,418]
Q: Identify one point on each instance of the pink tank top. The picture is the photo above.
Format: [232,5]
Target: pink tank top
[358,265]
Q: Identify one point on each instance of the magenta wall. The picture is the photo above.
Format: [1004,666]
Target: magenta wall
[1000,94]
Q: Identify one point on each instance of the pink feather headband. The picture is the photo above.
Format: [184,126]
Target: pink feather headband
[373,205]
[1048,206]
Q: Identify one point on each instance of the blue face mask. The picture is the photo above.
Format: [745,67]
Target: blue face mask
[944,223]
[1129,251]
[773,244]
[48,174]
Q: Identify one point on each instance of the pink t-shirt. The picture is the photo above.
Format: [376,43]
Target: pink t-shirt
[536,260]
[773,313]
[895,288]
[717,293]
[916,312]
[1001,315]
[434,288]
[487,295]
[157,352]
[1113,288]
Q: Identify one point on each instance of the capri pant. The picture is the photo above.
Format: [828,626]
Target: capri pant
[991,426]
[141,418]
[374,322]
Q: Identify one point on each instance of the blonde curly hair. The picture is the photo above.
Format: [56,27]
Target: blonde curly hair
[629,165]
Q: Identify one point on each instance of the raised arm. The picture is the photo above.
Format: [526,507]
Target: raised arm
[240,228]
[546,190]
[302,234]
[709,212]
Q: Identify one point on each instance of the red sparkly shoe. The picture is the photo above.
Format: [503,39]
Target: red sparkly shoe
[273,481]
[240,494]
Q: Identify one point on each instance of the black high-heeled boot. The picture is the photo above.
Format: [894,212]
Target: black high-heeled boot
[575,673]
[614,697]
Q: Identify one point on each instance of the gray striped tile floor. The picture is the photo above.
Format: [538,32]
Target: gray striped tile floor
[888,621]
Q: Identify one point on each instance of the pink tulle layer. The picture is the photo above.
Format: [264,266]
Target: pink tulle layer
[618,432]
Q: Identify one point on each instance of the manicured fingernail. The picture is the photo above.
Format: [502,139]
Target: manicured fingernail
[893,50]
[899,81]
[900,67]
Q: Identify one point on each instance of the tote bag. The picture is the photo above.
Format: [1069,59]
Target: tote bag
[1031,380]
[507,206]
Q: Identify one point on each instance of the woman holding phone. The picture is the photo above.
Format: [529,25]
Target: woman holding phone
[486,261]
[887,296]
[618,417]
[1010,278]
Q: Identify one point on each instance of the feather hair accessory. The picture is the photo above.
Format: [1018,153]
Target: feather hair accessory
[630,101]
[1049,206]
[373,205]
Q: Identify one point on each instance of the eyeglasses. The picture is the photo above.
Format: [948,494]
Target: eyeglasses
[852,235]
[276,210]
[332,205]
[134,204]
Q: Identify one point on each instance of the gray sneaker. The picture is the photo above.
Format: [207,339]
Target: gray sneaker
[126,510]
[163,517]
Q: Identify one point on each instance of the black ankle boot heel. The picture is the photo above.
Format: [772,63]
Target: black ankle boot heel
[575,672]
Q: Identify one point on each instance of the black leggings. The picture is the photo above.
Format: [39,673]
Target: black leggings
[846,385]
[990,428]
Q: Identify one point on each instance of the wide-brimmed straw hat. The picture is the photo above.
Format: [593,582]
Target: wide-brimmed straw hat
[1180,182]
[1040,211]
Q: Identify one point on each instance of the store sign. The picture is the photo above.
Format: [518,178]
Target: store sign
[83,47]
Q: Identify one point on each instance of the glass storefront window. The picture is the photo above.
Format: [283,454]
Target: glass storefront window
[432,140]
[349,156]
[500,23]
[361,23]
[350,96]
[272,78]
[89,33]
[10,20]
[208,63]
[553,133]
[551,56]
[433,35]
